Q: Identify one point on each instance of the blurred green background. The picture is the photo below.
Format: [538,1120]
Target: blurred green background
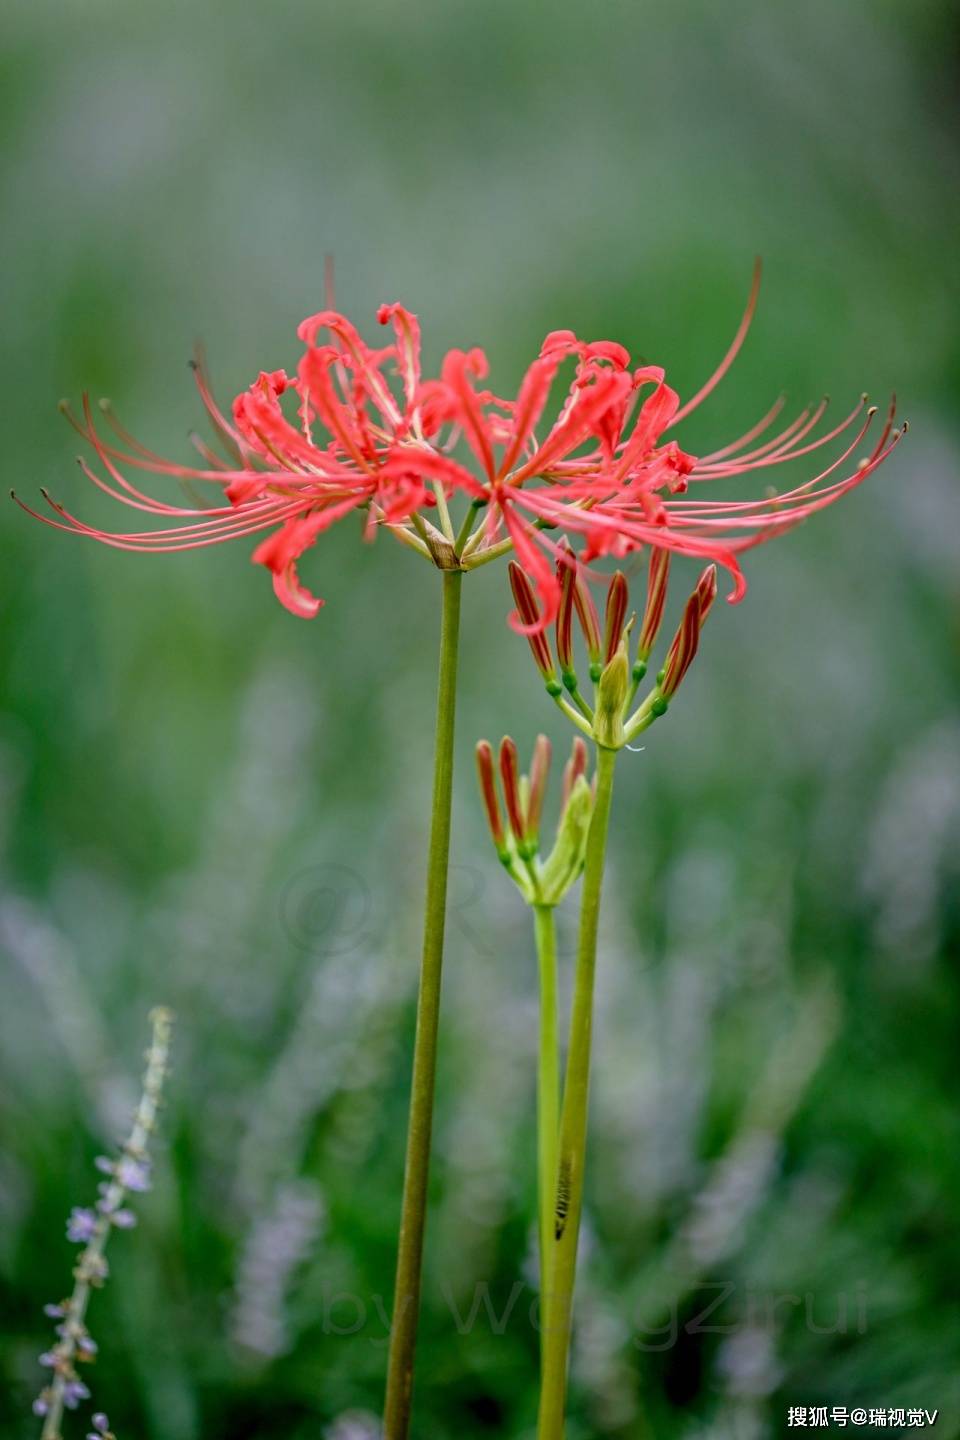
[211,804]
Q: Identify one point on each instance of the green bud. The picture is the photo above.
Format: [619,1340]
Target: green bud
[612,691]
[565,862]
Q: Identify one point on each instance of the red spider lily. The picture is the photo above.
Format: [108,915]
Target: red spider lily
[279,476]
[629,487]
[367,433]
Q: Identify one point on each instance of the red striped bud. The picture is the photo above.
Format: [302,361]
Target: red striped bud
[488,792]
[574,768]
[687,638]
[567,575]
[707,591]
[539,770]
[575,596]
[618,598]
[529,612]
[589,621]
[657,578]
[510,780]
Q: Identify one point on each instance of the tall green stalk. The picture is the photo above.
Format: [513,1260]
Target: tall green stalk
[573,1123]
[406,1304]
[548,1093]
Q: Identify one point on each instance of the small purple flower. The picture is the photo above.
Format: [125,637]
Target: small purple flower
[73,1392]
[100,1423]
[133,1174]
[81,1225]
[41,1405]
[123,1219]
[49,1359]
[54,1312]
[105,1165]
[86,1348]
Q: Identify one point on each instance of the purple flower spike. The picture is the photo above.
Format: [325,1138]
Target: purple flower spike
[90,1228]
[81,1225]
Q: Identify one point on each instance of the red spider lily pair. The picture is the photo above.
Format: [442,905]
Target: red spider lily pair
[358,428]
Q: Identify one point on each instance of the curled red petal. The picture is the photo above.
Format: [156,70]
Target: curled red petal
[406,327]
[458,367]
[294,596]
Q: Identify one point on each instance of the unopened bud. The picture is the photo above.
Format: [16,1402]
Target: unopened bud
[539,770]
[575,596]
[488,793]
[565,862]
[510,779]
[657,578]
[687,638]
[612,691]
[589,622]
[618,598]
[566,575]
[529,613]
[575,767]
[707,591]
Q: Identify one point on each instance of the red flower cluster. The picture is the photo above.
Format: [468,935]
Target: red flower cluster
[357,428]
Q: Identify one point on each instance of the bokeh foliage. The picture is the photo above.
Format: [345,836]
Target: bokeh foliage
[209,804]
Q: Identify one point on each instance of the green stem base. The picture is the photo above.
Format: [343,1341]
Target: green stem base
[573,1123]
[406,1304]
[548,1094]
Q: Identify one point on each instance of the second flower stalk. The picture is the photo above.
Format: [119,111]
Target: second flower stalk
[611,722]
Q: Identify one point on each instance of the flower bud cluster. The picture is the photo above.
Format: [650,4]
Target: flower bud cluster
[610,719]
[515,828]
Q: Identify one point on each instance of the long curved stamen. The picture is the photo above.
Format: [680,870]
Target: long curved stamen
[783,514]
[212,532]
[731,354]
[227,432]
[206,452]
[752,434]
[799,426]
[729,507]
[790,453]
[159,466]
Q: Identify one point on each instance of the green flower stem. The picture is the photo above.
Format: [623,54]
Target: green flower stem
[464,536]
[406,1305]
[563,704]
[443,514]
[573,1122]
[548,1091]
